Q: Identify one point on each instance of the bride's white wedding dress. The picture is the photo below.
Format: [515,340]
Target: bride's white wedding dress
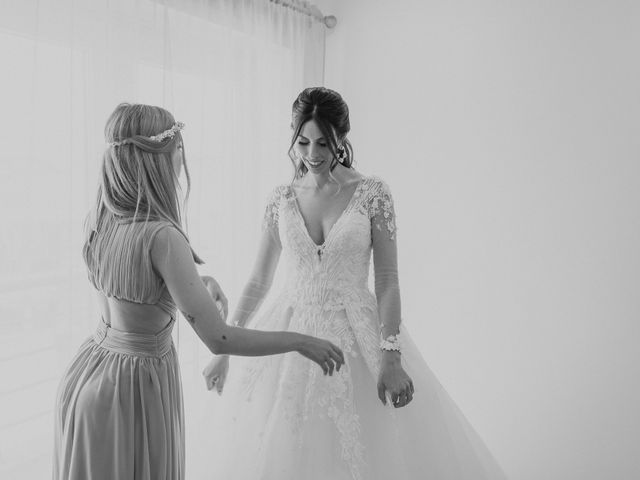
[280,418]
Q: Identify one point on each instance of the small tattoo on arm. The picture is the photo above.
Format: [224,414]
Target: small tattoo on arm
[190,318]
[224,337]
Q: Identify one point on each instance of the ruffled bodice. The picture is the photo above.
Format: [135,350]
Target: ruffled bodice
[118,260]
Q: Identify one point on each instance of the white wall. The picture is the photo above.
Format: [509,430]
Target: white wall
[508,132]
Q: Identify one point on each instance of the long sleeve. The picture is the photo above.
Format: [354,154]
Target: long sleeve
[265,265]
[385,258]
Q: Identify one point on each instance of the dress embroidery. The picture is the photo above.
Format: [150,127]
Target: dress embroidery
[381,209]
[329,297]
[270,220]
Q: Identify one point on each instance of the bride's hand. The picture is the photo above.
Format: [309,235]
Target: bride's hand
[215,373]
[323,352]
[214,289]
[394,380]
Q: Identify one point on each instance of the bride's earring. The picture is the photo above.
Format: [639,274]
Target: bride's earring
[341,154]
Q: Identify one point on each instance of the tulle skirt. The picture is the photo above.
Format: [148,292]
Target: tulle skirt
[280,418]
[119,412]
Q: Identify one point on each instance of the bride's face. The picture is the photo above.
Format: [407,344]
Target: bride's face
[313,148]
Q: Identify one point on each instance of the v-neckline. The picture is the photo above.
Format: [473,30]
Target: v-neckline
[342,214]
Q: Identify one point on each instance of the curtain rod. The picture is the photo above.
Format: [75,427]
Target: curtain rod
[306,8]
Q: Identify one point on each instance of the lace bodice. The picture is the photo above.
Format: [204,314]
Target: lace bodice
[333,273]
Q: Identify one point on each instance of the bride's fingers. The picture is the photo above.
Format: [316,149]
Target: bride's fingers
[323,365]
[340,353]
[409,398]
[331,365]
[221,308]
[225,304]
[338,358]
[381,394]
[401,400]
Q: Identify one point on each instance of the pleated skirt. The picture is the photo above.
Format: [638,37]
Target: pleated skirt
[119,411]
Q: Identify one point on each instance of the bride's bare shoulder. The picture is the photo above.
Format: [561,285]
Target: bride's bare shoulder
[352,176]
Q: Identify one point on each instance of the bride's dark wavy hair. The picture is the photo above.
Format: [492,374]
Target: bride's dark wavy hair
[331,113]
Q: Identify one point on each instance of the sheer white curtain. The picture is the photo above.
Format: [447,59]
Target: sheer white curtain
[229,69]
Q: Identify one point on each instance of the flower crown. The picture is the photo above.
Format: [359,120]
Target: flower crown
[170,133]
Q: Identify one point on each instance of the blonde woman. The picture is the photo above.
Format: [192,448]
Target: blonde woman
[119,412]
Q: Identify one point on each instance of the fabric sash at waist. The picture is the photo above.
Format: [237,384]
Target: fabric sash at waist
[138,344]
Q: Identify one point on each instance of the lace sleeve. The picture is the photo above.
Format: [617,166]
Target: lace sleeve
[385,258]
[271,213]
[381,211]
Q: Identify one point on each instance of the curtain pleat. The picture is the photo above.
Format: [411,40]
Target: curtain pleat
[229,69]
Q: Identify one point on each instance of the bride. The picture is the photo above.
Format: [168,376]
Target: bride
[384,415]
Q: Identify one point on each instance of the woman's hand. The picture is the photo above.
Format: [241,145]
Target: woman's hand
[394,380]
[323,352]
[215,373]
[214,289]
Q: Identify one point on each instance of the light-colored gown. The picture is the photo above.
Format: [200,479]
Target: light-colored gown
[119,411]
[280,418]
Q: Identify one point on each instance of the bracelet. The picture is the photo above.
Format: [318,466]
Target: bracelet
[390,344]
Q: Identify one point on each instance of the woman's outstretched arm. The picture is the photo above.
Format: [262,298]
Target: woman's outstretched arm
[173,260]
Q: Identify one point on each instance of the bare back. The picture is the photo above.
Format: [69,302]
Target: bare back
[132,317]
